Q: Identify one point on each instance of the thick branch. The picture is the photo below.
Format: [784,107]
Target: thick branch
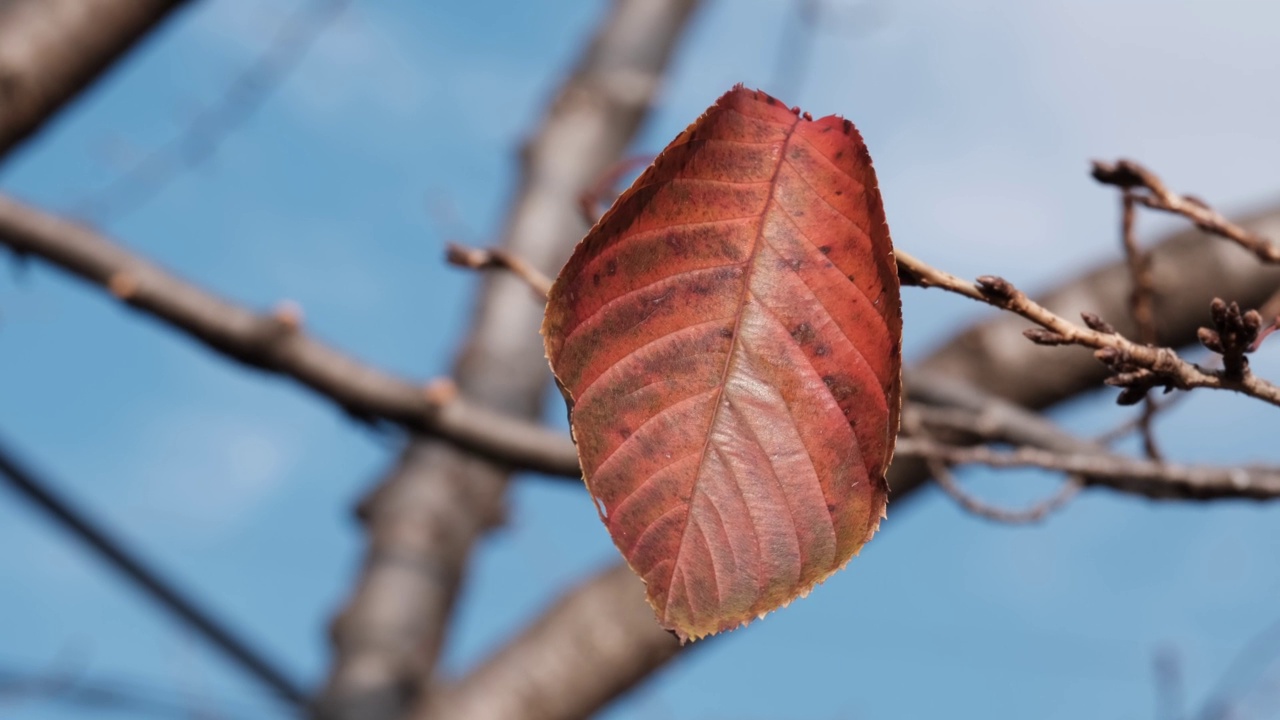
[50,50]
[539,674]
[389,635]
[276,343]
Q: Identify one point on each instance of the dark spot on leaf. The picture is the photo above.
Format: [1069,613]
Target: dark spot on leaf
[611,268]
[839,192]
[826,249]
[595,278]
[847,127]
[839,154]
[842,388]
[820,350]
[770,100]
[624,432]
[803,333]
[831,507]
[726,333]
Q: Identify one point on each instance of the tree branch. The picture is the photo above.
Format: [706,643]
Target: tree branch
[1134,366]
[1145,187]
[1148,478]
[543,673]
[387,639]
[276,343]
[50,50]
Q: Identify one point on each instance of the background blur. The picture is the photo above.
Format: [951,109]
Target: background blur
[397,132]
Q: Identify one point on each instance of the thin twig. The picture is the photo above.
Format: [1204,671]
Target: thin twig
[211,126]
[1141,308]
[495,258]
[1135,424]
[596,197]
[914,424]
[1130,475]
[1135,367]
[1142,297]
[161,590]
[1023,516]
[1151,191]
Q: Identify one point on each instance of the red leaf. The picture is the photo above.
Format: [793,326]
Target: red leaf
[728,337]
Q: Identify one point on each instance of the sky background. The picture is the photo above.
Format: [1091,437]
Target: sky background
[398,132]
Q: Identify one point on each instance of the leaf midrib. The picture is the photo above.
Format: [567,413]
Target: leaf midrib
[751,266]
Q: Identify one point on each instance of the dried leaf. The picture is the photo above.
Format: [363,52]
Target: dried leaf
[728,337]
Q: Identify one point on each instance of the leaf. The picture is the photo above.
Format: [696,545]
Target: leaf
[728,338]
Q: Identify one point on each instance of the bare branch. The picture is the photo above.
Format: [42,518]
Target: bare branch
[159,589]
[1135,367]
[201,137]
[1141,309]
[501,366]
[542,674]
[1145,187]
[1024,516]
[925,421]
[50,50]
[1139,477]
[275,342]
[478,259]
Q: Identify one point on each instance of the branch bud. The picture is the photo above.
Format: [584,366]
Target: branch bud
[1097,324]
[1041,336]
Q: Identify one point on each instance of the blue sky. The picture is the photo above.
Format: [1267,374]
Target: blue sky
[398,133]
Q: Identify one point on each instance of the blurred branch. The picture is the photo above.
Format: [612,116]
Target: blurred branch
[496,259]
[388,637]
[37,490]
[1141,309]
[277,343]
[544,674]
[202,136]
[114,694]
[50,50]
[977,365]
[1139,477]
[1035,513]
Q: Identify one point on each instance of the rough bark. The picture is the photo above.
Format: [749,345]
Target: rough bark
[424,520]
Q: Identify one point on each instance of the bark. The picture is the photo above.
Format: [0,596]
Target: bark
[51,50]
[424,520]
